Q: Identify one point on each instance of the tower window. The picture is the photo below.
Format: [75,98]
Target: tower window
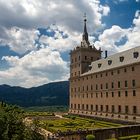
[85,57]
[79,57]
[112,85]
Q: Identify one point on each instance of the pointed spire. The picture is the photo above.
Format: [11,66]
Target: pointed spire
[85,33]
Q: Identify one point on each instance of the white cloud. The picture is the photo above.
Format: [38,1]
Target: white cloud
[36,68]
[20,40]
[109,38]
[20,18]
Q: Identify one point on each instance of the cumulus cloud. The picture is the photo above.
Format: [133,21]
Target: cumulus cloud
[20,19]
[20,40]
[109,39]
[35,68]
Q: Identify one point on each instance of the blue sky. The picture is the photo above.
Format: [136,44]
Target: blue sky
[37,36]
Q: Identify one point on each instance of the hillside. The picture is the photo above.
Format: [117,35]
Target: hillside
[46,95]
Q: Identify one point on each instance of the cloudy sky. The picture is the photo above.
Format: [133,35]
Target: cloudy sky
[37,35]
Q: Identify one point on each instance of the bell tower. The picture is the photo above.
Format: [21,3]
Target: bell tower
[82,56]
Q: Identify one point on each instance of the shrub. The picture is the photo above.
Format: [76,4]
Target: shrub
[90,137]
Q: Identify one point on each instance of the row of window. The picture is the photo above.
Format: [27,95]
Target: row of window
[121,59]
[105,108]
[104,74]
[106,86]
[101,94]
[78,59]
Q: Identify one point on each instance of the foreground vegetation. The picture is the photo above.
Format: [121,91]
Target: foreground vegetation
[12,126]
[74,123]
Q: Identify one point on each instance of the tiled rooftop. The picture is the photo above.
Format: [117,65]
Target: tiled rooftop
[117,60]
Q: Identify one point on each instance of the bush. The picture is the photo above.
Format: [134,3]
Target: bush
[90,137]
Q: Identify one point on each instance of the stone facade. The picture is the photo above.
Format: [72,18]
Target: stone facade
[104,87]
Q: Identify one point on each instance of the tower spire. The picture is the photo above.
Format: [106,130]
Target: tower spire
[85,33]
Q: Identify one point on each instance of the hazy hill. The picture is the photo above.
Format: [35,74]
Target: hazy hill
[46,95]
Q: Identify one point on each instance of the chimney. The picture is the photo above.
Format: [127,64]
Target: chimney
[105,53]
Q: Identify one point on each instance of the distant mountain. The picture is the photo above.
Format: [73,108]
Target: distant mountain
[46,95]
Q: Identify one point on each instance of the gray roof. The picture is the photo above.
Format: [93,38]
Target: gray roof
[117,60]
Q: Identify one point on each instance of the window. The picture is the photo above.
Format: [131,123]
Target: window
[96,95]
[83,106]
[74,106]
[96,107]
[71,60]
[99,65]
[71,89]
[91,107]
[133,83]
[134,92]
[78,106]
[119,109]
[79,57]
[96,87]
[113,109]
[118,71]
[91,87]
[79,89]
[101,74]
[133,68]
[121,59]
[96,76]
[106,85]
[87,107]
[106,94]
[119,84]
[111,72]
[136,54]
[126,93]
[106,74]
[91,58]
[101,94]
[85,57]
[91,95]
[79,73]
[119,94]
[107,108]
[126,109]
[83,88]
[134,109]
[101,107]
[87,88]
[101,86]
[75,89]
[109,62]
[125,70]
[112,85]
[112,94]
[75,59]
[125,83]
